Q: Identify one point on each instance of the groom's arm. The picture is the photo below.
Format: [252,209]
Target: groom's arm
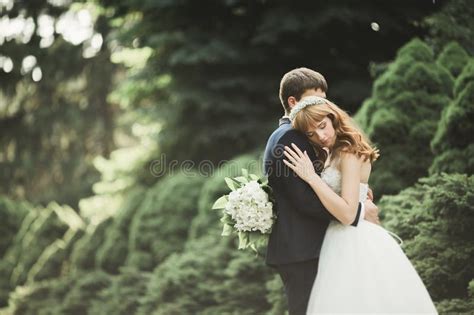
[298,191]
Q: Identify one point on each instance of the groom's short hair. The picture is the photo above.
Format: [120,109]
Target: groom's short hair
[297,81]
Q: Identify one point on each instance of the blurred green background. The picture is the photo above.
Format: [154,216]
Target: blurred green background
[101,101]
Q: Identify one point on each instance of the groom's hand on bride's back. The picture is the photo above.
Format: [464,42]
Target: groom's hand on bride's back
[370,194]
[371,212]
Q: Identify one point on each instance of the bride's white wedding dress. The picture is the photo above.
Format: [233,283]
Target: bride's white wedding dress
[363,270]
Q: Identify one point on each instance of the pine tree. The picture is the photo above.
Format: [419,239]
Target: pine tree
[401,116]
[454,150]
[161,223]
[51,129]
[213,74]
[434,218]
[454,22]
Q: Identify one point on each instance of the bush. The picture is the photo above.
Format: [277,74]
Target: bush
[435,219]
[84,293]
[123,295]
[452,142]
[44,298]
[11,215]
[160,226]
[54,261]
[276,296]
[401,116]
[453,23]
[454,58]
[39,229]
[210,277]
[84,251]
[112,254]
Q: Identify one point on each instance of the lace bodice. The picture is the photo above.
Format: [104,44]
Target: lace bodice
[332,176]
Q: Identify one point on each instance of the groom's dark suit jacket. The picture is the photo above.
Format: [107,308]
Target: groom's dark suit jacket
[302,219]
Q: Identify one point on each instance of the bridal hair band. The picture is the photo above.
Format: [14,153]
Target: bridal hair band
[307,101]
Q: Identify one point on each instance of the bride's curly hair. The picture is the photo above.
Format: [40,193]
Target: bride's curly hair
[349,137]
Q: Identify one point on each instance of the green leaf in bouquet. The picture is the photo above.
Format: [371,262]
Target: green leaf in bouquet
[254,177]
[242,179]
[231,183]
[257,238]
[220,203]
[227,230]
[243,240]
[254,247]
[227,219]
[253,236]
[258,241]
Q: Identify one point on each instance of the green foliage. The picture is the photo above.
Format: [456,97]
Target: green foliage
[206,222]
[94,292]
[160,225]
[113,252]
[417,50]
[454,58]
[123,295]
[276,296]
[454,22]
[11,215]
[215,79]
[80,298]
[452,142]
[210,277]
[460,306]
[5,287]
[84,251]
[124,178]
[128,167]
[466,77]
[402,114]
[435,218]
[39,229]
[44,298]
[455,306]
[243,290]
[34,253]
[54,260]
[201,84]
[183,283]
[454,161]
[51,130]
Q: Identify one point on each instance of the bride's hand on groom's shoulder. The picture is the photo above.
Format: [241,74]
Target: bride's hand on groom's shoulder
[300,163]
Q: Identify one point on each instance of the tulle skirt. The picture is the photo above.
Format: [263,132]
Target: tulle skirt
[364,270]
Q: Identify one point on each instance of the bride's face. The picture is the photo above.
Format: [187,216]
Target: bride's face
[322,133]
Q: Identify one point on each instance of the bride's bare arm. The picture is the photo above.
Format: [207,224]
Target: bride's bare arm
[343,207]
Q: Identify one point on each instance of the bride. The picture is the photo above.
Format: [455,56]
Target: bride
[361,269]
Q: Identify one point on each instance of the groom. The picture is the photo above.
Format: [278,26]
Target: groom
[297,236]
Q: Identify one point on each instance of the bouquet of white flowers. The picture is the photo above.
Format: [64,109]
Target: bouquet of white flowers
[247,210]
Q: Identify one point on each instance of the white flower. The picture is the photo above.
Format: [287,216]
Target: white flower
[250,208]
